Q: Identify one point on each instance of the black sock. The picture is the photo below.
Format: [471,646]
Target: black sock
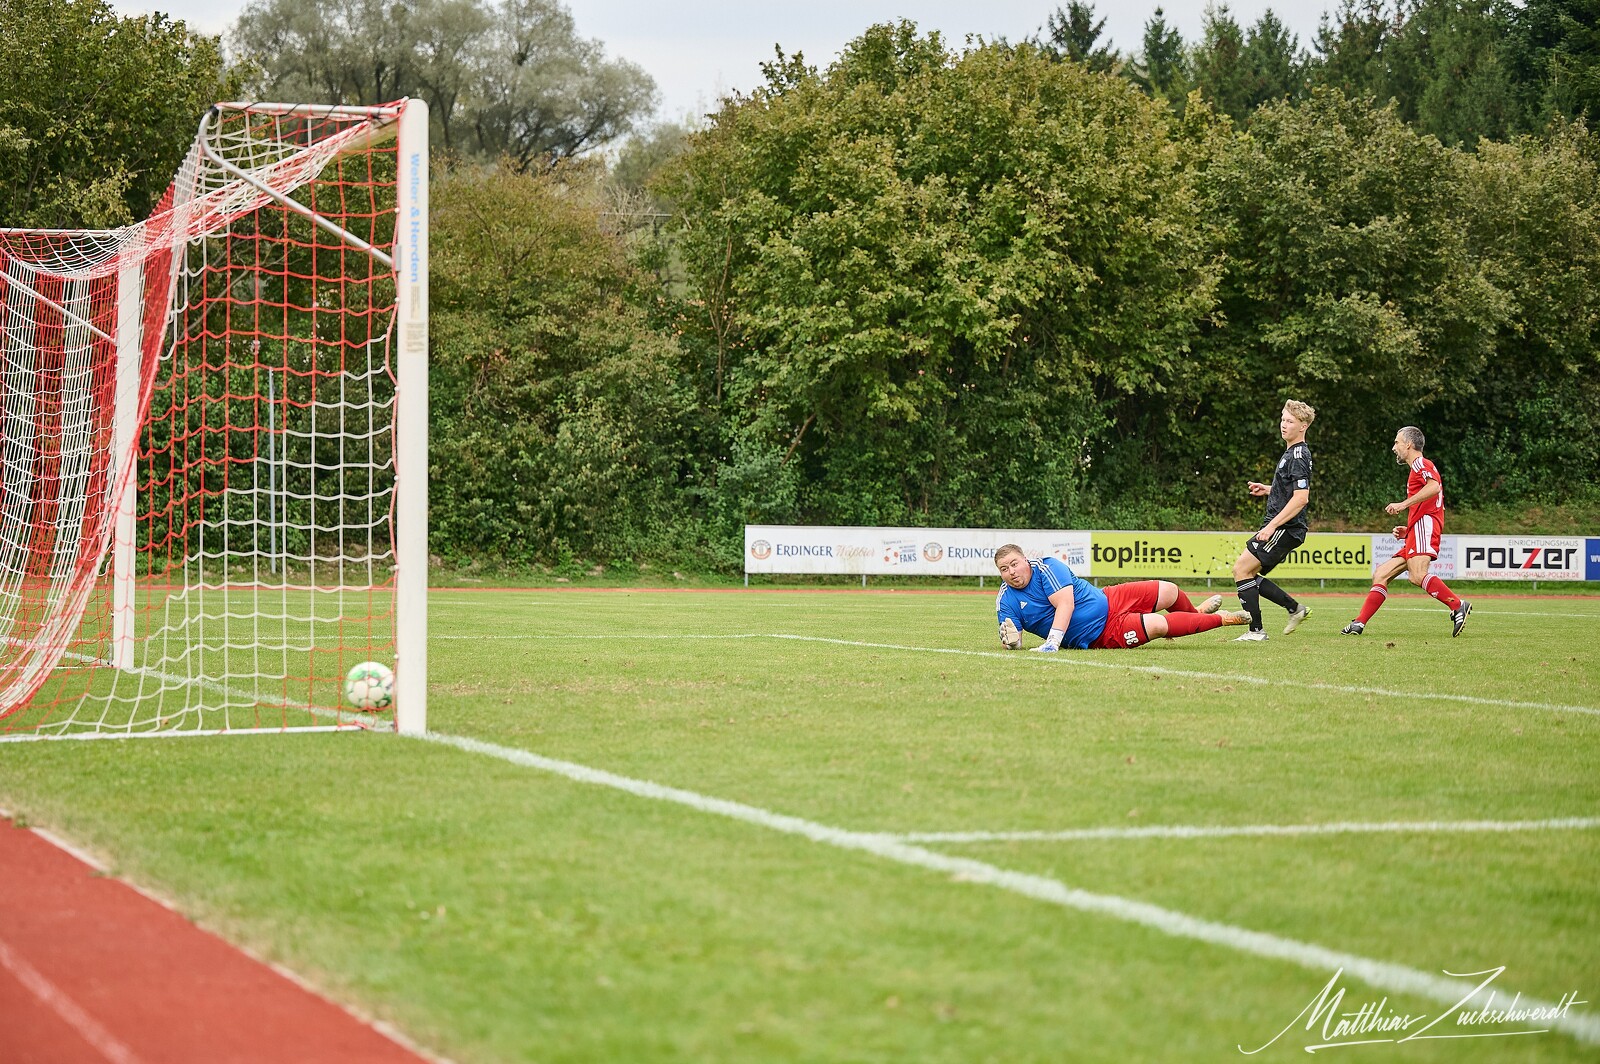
[1273,593]
[1250,600]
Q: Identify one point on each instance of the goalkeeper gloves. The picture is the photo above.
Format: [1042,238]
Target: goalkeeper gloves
[1010,638]
[1053,643]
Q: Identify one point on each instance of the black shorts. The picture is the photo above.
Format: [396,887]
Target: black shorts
[1276,548]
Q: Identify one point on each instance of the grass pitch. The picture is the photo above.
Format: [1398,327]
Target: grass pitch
[501,912]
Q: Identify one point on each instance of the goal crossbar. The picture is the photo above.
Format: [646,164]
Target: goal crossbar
[203,141]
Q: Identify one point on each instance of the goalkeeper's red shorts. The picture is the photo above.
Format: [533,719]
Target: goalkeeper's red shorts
[1128,603]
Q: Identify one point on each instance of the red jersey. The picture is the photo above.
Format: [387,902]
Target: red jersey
[1422,471]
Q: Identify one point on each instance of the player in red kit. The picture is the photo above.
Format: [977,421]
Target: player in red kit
[1419,535]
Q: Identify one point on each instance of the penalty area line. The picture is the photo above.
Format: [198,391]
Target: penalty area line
[1180,831]
[1382,975]
[1070,658]
[1067,658]
[1494,612]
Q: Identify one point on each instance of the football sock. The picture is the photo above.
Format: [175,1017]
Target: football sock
[1438,589]
[1181,624]
[1250,601]
[1273,593]
[1183,605]
[1375,598]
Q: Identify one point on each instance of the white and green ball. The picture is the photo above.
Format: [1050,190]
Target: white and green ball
[369,686]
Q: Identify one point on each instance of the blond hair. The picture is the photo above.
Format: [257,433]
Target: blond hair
[1301,412]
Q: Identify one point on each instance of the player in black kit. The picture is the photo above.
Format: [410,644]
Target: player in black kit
[1285,529]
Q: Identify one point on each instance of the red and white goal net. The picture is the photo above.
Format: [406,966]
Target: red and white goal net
[214,431]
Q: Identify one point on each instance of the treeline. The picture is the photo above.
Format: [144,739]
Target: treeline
[1458,69]
[1007,285]
[991,288]
[97,109]
[508,80]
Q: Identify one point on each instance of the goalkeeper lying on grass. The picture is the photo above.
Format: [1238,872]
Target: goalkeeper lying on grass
[1046,598]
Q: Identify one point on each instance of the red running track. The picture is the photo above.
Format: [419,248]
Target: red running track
[93,971]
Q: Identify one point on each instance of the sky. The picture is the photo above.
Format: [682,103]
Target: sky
[699,50]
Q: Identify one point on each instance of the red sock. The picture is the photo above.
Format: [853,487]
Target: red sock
[1375,599]
[1183,605]
[1181,624]
[1438,589]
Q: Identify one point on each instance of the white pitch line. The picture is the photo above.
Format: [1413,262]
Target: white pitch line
[1178,831]
[517,637]
[1489,612]
[51,996]
[631,638]
[1383,975]
[478,601]
[1072,657]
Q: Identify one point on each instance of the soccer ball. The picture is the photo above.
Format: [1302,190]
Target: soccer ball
[369,686]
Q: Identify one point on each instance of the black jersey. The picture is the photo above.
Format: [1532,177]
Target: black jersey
[1293,474]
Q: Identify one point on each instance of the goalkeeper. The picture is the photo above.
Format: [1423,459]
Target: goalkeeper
[1046,598]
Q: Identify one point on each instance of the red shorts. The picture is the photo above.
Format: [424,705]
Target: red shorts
[1128,604]
[1422,538]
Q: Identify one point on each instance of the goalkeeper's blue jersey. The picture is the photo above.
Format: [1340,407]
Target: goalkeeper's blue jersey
[1030,609]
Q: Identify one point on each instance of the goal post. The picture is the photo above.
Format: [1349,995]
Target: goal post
[411,448]
[125,426]
[214,426]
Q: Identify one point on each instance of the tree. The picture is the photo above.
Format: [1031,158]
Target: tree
[545,91]
[1273,62]
[1350,48]
[645,154]
[1165,64]
[511,80]
[1074,34]
[1349,283]
[1552,53]
[1445,74]
[1218,63]
[1529,426]
[555,416]
[920,281]
[97,110]
[442,33]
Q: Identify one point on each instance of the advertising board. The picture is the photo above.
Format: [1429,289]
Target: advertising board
[1175,555]
[1520,558]
[866,551]
[798,549]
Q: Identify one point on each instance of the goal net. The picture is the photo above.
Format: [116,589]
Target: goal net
[214,430]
